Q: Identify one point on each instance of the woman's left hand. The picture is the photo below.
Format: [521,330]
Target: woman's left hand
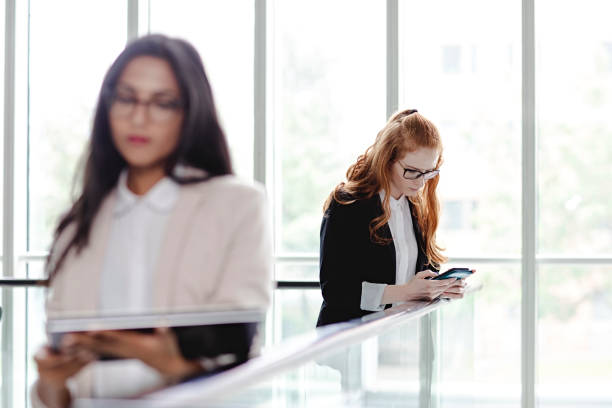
[158,350]
[457,290]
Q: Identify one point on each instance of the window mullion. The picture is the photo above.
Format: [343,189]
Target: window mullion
[392,56]
[529,203]
[8,244]
[132,20]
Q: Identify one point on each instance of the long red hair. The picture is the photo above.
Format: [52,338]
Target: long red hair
[406,131]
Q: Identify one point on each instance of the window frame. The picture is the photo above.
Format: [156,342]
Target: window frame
[263,170]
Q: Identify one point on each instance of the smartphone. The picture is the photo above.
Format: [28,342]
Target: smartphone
[458,273]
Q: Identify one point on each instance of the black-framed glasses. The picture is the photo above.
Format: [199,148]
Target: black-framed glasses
[158,109]
[413,174]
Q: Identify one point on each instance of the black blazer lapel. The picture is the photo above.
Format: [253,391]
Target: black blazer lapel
[385,232]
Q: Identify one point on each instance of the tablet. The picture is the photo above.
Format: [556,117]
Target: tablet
[200,334]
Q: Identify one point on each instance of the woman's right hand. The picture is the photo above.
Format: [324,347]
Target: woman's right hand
[420,288]
[417,288]
[54,369]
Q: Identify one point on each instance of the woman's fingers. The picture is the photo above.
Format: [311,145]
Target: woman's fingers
[452,295]
[426,274]
[444,283]
[78,362]
[118,336]
[47,358]
[126,344]
[55,368]
[165,331]
[99,343]
[432,288]
[455,290]
[158,350]
[453,282]
[441,287]
[459,283]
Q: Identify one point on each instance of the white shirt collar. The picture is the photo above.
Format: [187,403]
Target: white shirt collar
[395,204]
[161,198]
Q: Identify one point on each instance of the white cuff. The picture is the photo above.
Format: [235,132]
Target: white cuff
[371,296]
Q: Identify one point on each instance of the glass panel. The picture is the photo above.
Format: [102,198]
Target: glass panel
[22,325]
[480,341]
[298,271]
[574,332]
[469,84]
[328,105]
[479,337]
[396,360]
[69,55]
[295,311]
[35,335]
[477,362]
[382,371]
[574,89]
[227,52]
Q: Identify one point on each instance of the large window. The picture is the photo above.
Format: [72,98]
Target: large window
[477,108]
[222,32]
[321,81]
[463,72]
[327,105]
[71,45]
[574,101]
[574,88]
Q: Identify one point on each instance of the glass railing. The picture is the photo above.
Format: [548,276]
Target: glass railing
[22,327]
[389,358]
[476,349]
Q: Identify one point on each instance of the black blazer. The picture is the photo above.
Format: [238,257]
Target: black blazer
[348,257]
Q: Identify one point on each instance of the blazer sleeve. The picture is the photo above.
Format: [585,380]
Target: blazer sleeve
[340,265]
[246,276]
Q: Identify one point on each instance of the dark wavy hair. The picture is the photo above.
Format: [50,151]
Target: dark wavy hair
[202,143]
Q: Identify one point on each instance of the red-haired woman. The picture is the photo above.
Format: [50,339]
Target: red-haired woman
[378,235]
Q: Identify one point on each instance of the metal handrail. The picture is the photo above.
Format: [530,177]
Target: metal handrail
[297,284]
[23,282]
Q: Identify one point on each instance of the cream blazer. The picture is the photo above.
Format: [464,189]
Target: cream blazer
[216,251]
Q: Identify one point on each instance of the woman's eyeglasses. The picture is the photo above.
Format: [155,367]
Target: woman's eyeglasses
[413,174]
[158,110]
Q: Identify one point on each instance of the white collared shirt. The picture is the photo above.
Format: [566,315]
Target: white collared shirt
[406,253]
[136,234]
